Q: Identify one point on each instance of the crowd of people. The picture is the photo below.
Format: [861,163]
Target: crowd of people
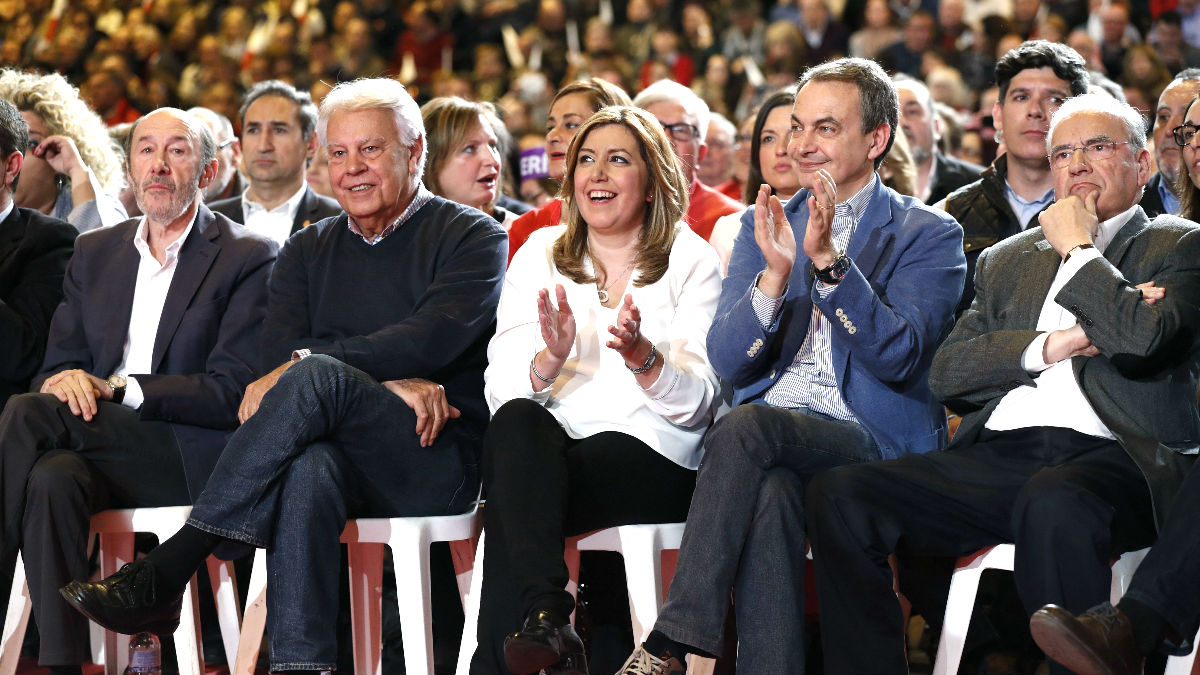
[895,279]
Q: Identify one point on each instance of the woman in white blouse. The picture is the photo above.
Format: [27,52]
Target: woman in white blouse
[598,381]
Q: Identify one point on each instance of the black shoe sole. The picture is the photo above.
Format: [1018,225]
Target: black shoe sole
[80,605]
[524,657]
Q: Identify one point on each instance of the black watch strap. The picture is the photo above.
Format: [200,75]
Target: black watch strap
[834,273]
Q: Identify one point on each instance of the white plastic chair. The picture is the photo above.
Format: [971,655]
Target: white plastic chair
[116,529]
[409,539]
[965,583]
[641,546]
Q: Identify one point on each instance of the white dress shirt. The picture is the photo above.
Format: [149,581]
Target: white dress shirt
[595,391]
[149,296]
[275,223]
[1056,400]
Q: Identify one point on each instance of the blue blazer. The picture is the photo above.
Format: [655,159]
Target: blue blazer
[888,316]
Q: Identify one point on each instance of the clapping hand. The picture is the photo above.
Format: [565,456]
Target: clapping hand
[818,237]
[557,323]
[774,236]
[627,331]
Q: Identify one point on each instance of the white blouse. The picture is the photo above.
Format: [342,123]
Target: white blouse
[595,392]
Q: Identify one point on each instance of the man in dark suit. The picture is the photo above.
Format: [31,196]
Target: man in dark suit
[1077,380]
[279,139]
[147,359]
[34,250]
[1173,103]
[378,327]
[937,175]
[826,327]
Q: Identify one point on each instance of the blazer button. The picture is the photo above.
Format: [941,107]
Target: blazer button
[772,375]
[839,312]
[852,330]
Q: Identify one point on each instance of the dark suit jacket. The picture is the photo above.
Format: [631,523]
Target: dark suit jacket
[1152,201]
[207,347]
[34,251]
[949,174]
[1142,385]
[313,207]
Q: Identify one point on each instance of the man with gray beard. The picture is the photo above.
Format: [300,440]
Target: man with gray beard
[937,175]
[149,354]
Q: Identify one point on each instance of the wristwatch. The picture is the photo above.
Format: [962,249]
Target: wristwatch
[834,273]
[1076,249]
[117,383]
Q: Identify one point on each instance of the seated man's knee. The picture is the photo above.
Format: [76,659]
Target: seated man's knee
[781,489]
[317,469]
[26,406]
[1051,506]
[57,474]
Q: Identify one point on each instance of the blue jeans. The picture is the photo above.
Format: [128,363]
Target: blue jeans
[745,533]
[328,443]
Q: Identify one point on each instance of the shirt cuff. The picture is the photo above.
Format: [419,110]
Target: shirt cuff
[1080,258]
[823,289]
[1031,358]
[765,307]
[133,394]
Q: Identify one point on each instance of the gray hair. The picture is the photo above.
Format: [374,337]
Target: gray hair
[672,91]
[306,110]
[1105,105]
[716,119]
[377,94]
[877,98]
[215,121]
[920,90]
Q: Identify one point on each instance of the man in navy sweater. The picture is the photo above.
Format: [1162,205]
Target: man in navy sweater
[377,329]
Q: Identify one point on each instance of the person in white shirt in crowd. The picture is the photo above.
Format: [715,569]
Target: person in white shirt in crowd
[598,380]
[279,139]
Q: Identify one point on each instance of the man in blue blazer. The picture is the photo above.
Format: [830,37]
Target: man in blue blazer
[828,346]
[147,359]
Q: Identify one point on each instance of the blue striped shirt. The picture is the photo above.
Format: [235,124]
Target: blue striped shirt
[810,381]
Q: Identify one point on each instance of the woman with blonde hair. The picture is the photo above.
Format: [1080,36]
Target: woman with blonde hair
[598,381]
[463,158]
[571,107]
[72,168]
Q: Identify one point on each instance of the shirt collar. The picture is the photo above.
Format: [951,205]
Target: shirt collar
[421,199]
[7,210]
[1109,228]
[856,206]
[292,205]
[1169,200]
[1040,201]
[142,243]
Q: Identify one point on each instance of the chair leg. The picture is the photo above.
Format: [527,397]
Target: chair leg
[1122,573]
[187,637]
[411,557]
[463,555]
[640,547]
[225,597]
[254,619]
[1185,665]
[366,590]
[16,620]
[470,638]
[116,549]
[959,604]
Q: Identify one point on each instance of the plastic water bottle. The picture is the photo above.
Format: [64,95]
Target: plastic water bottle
[145,654]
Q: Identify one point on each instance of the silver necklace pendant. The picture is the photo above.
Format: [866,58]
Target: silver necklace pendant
[603,295]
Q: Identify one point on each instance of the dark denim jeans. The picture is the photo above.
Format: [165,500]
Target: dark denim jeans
[328,443]
[745,532]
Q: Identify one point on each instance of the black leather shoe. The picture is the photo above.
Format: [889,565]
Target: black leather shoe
[546,642]
[1098,641]
[126,602]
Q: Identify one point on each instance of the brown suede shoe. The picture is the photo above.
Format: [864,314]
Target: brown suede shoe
[1099,641]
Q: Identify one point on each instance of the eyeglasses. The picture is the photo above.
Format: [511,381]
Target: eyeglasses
[225,144]
[682,131]
[743,138]
[1184,133]
[1095,150]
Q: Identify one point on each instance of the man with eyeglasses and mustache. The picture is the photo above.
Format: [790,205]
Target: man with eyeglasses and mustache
[684,116]
[147,359]
[1076,371]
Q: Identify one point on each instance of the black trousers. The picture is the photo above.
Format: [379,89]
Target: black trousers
[55,471]
[1068,501]
[542,486]
[1167,581]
